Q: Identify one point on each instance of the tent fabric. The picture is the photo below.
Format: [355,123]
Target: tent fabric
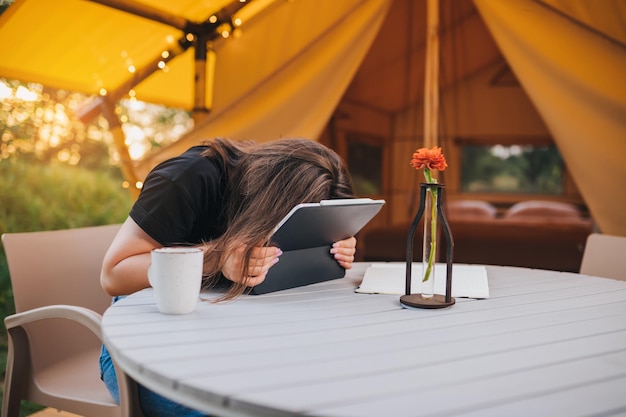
[282,77]
[296,86]
[91,48]
[86,47]
[573,73]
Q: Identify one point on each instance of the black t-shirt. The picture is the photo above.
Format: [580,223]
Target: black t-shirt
[182,199]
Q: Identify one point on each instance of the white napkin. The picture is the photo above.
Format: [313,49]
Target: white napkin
[390,278]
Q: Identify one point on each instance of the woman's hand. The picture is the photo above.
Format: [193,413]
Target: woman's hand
[344,251]
[261,260]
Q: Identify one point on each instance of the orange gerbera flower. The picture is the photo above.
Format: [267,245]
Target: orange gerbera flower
[429,158]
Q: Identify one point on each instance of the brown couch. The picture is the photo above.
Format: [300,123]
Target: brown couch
[534,241]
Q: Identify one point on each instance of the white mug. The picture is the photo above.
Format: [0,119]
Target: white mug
[176,276]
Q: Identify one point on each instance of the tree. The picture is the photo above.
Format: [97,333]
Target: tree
[37,124]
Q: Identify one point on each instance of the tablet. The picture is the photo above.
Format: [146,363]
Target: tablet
[306,234]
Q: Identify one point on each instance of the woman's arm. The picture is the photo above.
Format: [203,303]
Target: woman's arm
[125,265]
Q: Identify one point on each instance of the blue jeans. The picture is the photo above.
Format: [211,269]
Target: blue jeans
[152,404]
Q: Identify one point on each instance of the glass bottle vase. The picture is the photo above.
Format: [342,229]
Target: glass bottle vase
[430,247]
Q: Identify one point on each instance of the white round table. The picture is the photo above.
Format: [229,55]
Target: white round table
[544,343]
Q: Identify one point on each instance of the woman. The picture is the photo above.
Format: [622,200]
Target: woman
[225,197]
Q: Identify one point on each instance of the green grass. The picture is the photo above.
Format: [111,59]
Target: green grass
[49,197]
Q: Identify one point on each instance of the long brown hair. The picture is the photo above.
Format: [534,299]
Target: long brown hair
[265,181]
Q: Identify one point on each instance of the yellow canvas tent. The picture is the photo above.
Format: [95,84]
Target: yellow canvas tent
[358,64]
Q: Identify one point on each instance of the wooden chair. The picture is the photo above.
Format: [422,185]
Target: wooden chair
[54,337]
[605,256]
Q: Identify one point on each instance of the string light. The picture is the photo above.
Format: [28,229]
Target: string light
[224,29]
[103,92]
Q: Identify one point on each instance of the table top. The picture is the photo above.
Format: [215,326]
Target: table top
[544,344]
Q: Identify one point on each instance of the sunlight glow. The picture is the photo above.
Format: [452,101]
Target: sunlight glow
[136,105]
[5,91]
[135,141]
[504,152]
[137,149]
[25,94]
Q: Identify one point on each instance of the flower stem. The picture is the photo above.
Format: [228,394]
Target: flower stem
[433,232]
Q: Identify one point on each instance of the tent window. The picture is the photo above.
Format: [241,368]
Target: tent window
[365,162]
[525,169]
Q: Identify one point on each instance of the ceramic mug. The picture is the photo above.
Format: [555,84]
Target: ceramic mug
[176,276]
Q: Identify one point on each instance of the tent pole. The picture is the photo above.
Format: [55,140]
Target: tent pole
[127,167]
[201,80]
[431,93]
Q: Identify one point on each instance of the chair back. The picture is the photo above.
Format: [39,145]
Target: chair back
[60,267]
[605,256]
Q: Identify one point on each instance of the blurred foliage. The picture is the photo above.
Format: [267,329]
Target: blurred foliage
[40,124]
[56,196]
[519,169]
[35,123]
